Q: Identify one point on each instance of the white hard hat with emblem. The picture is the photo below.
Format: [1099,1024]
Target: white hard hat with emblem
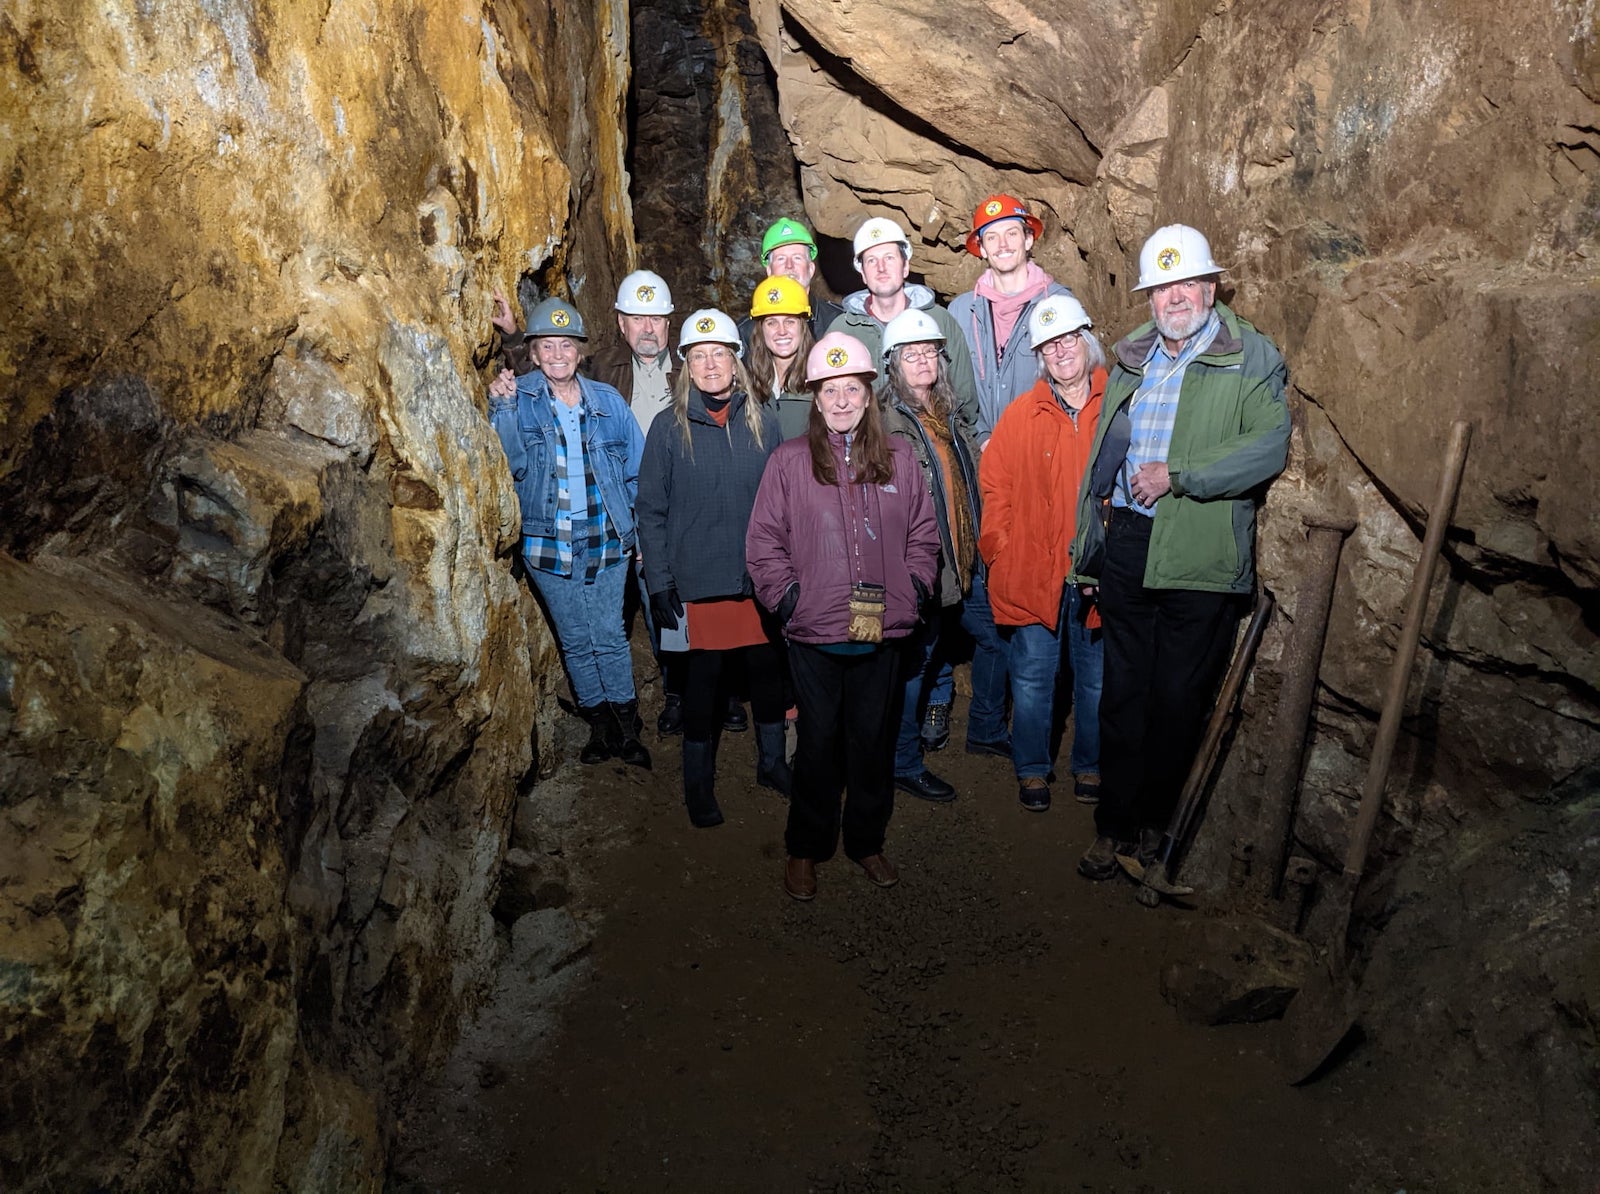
[911,326]
[1054,317]
[1175,253]
[644,293]
[880,231]
[709,326]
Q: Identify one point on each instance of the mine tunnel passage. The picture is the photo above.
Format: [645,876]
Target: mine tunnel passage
[993,1022]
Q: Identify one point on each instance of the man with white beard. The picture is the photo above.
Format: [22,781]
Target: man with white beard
[1194,426]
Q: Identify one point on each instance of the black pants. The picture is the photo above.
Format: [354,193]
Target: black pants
[708,681]
[845,743]
[1165,653]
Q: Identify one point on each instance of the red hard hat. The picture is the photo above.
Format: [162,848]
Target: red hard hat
[1000,207]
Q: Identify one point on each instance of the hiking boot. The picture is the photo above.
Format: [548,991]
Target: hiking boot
[926,786]
[936,727]
[772,764]
[670,721]
[602,743]
[1033,793]
[1099,861]
[628,747]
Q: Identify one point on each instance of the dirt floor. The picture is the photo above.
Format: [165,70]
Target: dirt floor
[992,1023]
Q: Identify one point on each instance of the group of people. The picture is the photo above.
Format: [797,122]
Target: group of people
[825,505]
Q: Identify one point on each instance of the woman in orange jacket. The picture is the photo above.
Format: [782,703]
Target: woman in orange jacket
[1030,476]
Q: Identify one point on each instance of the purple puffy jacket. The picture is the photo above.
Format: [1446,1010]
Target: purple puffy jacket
[827,537]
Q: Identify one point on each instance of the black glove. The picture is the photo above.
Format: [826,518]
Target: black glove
[923,596]
[667,609]
[791,598]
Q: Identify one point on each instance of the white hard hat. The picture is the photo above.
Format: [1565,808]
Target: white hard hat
[911,326]
[709,326]
[880,231]
[1055,317]
[644,293]
[1175,253]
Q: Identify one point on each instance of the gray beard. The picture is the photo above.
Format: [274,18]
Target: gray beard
[1184,327]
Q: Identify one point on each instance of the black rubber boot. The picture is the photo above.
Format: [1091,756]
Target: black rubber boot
[629,749]
[699,783]
[602,743]
[772,769]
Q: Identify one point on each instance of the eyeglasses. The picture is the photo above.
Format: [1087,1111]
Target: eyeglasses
[1061,345]
[701,356]
[919,352]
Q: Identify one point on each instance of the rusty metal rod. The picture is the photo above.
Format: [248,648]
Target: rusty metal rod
[1302,657]
[1394,699]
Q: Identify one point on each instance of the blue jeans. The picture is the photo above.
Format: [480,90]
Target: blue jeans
[918,648]
[986,717]
[587,619]
[1035,667]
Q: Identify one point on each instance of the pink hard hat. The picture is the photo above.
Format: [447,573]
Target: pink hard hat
[838,355]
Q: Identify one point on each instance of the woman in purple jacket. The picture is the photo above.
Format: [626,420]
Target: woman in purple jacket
[843,546]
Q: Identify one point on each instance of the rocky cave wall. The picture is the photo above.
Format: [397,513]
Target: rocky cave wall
[265,682]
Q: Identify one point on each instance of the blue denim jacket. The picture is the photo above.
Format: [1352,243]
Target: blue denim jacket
[612,440]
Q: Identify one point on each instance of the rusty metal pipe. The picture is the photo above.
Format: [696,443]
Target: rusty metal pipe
[1302,658]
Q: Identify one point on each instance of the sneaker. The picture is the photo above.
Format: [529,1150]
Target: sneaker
[1033,794]
[671,720]
[1000,749]
[936,727]
[926,786]
[1099,861]
[1086,787]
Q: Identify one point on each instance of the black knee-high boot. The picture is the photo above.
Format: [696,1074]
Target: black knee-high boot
[699,783]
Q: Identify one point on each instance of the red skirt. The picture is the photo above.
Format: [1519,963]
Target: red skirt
[724,624]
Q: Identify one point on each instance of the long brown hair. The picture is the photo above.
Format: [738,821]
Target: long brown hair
[941,398]
[763,365]
[874,465]
[754,408]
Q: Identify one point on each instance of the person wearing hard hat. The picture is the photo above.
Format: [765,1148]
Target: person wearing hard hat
[788,250]
[843,547]
[993,315]
[574,451]
[1194,426]
[781,310]
[702,465]
[919,407]
[883,259]
[1032,471]
[640,368]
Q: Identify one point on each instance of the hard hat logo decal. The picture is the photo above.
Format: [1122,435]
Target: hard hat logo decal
[774,295]
[1047,316]
[875,234]
[645,293]
[560,318]
[704,324]
[836,357]
[1168,259]
[992,208]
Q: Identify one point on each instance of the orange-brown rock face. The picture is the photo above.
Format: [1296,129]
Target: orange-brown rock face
[1406,202]
[267,685]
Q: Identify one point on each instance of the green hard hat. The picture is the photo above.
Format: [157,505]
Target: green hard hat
[787,232]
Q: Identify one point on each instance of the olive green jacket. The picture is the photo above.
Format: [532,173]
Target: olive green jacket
[1231,438]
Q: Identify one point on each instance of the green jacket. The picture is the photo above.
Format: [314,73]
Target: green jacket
[1230,440]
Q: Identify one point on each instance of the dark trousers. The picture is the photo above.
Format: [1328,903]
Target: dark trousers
[844,746]
[1165,653]
[708,680]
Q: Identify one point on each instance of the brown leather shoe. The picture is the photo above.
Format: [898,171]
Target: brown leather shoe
[800,878]
[880,870]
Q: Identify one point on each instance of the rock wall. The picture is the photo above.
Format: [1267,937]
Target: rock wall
[267,684]
[1407,204]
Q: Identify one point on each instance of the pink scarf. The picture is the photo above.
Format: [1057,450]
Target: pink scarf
[1006,308]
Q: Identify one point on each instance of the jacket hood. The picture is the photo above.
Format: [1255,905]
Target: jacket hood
[917,295]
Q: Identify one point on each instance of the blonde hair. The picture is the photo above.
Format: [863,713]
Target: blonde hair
[754,408]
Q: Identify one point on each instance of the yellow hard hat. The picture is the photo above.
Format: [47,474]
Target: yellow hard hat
[779,296]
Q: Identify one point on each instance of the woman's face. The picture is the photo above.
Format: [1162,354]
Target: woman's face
[919,365]
[711,368]
[557,356]
[843,402]
[782,334]
[1065,359]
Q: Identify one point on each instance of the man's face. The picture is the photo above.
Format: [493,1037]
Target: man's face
[557,356]
[1180,308]
[883,269]
[792,261]
[1005,245]
[645,334]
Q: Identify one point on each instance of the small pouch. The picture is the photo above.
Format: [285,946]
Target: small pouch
[866,614]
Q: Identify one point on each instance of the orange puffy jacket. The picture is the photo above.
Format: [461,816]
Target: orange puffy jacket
[1030,475]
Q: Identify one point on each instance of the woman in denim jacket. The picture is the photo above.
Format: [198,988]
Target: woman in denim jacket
[574,450]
